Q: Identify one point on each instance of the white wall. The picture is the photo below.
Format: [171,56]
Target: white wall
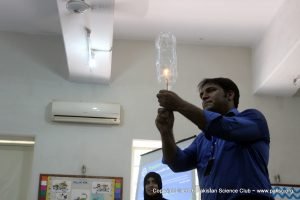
[276,56]
[33,72]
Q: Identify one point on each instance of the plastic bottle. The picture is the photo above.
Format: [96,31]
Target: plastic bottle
[166,59]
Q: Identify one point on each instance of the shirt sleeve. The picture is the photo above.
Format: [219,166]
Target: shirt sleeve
[249,125]
[185,159]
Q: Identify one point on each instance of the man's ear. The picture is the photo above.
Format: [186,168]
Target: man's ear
[230,95]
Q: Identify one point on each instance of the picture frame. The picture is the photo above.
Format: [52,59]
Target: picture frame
[78,187]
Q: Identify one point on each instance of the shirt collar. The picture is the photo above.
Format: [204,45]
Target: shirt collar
[232,112]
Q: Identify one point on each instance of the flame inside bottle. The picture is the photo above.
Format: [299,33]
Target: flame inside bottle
[166,59]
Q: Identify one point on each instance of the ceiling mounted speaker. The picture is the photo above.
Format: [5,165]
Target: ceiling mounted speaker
[77,6]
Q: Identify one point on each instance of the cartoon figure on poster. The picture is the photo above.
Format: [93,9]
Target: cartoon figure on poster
[80,194]
[101,187]
[60,189]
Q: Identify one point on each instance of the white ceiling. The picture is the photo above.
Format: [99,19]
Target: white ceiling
[211,22]
[223,22]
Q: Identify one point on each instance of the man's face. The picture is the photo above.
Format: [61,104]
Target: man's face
[150,186]
[214,98]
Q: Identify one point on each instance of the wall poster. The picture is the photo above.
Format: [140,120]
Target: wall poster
[74,187]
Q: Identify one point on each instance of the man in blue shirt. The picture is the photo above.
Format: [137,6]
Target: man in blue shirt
[232,152]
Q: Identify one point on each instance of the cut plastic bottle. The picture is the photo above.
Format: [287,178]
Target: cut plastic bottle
[166,59]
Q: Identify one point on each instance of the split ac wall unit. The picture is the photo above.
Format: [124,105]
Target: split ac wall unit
[85,112]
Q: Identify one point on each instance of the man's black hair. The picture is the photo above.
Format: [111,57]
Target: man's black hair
[226,84]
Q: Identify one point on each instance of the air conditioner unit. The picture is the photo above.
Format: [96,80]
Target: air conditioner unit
[85,112]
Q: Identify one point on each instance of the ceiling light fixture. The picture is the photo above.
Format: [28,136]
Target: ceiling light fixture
[91,52]
[77,6]
[16,140]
